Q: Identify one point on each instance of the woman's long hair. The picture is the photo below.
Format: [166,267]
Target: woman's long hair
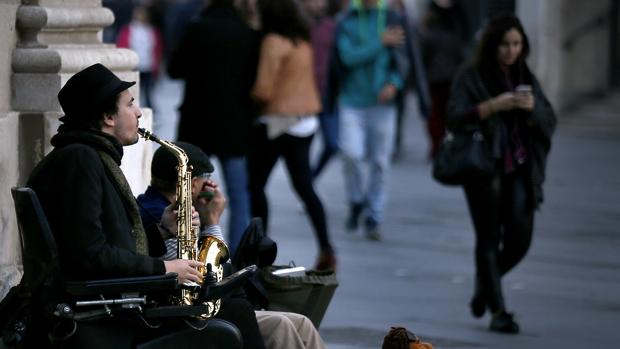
[284,17]
[486,61]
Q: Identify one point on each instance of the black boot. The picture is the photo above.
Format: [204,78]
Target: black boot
[478,305]
[504,322]
[354,216]
[478,302]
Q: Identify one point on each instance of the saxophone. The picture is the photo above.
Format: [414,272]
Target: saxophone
[210,250]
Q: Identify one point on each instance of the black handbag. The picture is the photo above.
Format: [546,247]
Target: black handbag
[463,157]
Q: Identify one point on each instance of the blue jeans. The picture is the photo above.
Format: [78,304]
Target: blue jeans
[367,134]
[236,178]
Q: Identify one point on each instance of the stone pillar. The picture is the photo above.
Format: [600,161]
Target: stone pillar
[570,53]
[56,38]
[9,270]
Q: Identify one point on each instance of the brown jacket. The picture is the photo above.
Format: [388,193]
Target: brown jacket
[285,81]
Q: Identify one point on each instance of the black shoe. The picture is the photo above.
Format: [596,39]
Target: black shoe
[478,302]
[478,305]
[504,322]
[354,216]
[372,230]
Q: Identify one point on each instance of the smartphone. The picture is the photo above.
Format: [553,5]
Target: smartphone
[523,89]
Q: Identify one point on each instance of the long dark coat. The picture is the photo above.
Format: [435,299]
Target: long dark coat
[217,58]
[87,214]
[468,90]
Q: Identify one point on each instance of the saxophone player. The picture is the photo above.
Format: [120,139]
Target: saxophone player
[87,200]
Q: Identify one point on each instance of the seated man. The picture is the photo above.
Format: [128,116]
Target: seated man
[91,209]
[279,329]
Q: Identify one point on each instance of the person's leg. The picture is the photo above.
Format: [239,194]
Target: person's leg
[146,82]
[380,124]
[236,178]
[484,200]
[295,151]
[307,332]
[487,201]
[240,312]
[329,133]
[260,163]
[278,331]
[518,224]
[436,124]
[398,128]
[352,146]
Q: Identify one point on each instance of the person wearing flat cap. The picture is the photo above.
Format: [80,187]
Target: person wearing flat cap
[162,192]
[279,330]
[85,196]
[209,202]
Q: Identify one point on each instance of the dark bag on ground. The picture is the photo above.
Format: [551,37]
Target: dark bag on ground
[259,249]
[463,157]
[308,294]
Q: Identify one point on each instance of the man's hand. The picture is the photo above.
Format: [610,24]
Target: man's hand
[168,222]
[186,269]
[393,37]
[387,93]
[210,204]
[195,217]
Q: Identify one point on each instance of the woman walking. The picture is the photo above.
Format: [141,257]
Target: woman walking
[286,87]
[499,95]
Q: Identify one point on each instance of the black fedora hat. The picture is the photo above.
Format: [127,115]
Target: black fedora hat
[87,89]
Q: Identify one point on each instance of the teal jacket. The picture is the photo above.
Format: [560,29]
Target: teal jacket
[367,65]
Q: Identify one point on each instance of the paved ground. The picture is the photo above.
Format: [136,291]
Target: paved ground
[566,293]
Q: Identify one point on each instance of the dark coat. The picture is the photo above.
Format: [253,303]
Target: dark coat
[87,214]
[468,90]
[217,58]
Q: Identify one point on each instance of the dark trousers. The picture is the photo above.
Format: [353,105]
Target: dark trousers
[146,87]
[329,130]
[503,218]
[436,123]
[295,151]
[240,312]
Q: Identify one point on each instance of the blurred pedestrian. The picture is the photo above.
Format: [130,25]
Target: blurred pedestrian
[217,59]
[369,38]
[286,86]
[443,54]
[322,37]
[411,66]
[499,95]
[143,38]
[122,10]
[177,17]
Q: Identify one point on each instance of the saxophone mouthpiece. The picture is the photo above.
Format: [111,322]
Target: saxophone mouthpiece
[148,135]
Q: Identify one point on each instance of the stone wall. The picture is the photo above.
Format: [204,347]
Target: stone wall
[9,142]
[568,73]
[42,44]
